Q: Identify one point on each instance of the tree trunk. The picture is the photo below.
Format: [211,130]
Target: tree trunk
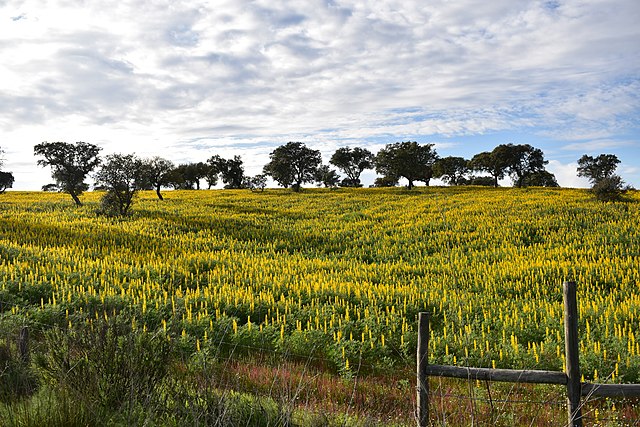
[75,198]
[158,193]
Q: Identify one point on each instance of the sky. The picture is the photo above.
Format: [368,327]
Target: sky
[188,79]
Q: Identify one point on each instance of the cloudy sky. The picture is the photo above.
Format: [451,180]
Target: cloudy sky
[190,79]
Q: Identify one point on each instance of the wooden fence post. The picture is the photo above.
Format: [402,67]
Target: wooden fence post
[422,380]
[23,344]
[571,347]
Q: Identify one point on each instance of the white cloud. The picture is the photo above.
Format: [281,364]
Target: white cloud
[566,174]
[600,145]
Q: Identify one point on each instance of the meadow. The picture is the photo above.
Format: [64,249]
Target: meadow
[328,284]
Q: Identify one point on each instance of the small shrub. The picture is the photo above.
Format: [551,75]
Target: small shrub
[486,181]
[609,189]
[17,380]
[109,365]
[385,181]
[112,206]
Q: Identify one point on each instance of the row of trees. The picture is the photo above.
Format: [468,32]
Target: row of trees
[294,164]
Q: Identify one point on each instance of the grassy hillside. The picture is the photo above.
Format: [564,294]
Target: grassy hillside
[335,279]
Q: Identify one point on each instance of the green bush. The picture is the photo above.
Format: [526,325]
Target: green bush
[609,189]
[106,364]
[113,206]
[17,380]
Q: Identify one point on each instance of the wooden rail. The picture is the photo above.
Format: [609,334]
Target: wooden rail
[505,375]
[611,390]
[571,378]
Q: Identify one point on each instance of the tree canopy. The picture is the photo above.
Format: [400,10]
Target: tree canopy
[293,164]
[122,175]
[157,173]
[596,169]
[490,162]
[6,181]
[605,184]
[408,160]
[232,171]
[451,170]
[255,183]
[521,161]
[352,162]
[327,177]
[70,164]
[542,178]
[187,176]
[524,163]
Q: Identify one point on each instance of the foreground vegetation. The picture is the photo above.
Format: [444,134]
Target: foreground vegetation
[265,293]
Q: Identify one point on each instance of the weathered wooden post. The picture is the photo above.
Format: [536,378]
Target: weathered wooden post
[571,354]
[422,380]
[23,344]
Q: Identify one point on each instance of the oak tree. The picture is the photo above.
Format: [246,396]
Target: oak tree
[122,175]
[352,162]
[408,160]
[451,170]
[293,164]
[157,173]
[597,168]
[70,164]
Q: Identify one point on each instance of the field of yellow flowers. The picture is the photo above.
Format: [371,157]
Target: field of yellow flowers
[338,277]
